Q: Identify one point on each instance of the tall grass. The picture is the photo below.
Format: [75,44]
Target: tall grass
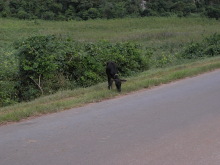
[146,30]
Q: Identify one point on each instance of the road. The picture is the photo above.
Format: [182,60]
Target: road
[173,124]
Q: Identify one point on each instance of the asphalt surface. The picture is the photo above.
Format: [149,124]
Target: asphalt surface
[173,124]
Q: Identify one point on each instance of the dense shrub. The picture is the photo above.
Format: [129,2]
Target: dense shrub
[164,60]
[209,47]
[7,93]
[49,63]
[213,12]
[8,74]
[37,62]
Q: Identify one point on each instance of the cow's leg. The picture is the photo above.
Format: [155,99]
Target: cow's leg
[110,81]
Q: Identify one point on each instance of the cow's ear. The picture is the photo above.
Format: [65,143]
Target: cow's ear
[123,80]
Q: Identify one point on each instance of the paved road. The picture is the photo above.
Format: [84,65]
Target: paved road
[174,124]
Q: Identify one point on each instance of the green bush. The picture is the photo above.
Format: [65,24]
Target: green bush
[163,60]
[192,51]
[7,93]
[8,74]
[209,47]
[22,14]
[48,15]
[213,12]
[38,63]
[49,63]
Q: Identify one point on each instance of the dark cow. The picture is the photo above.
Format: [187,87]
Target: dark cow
[112,73]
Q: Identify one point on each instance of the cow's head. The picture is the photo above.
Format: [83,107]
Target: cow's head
[118,82]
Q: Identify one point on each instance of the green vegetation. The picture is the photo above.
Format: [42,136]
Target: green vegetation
[108,9]
[74,98]
[161,33]
[48,64]
[209,47]
[40,57]
[148,42]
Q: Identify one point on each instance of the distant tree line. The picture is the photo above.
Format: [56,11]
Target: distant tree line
[107,9]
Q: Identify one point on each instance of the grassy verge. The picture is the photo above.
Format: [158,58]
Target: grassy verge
[64,100]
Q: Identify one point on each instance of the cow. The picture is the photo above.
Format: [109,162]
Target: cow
[112,74]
